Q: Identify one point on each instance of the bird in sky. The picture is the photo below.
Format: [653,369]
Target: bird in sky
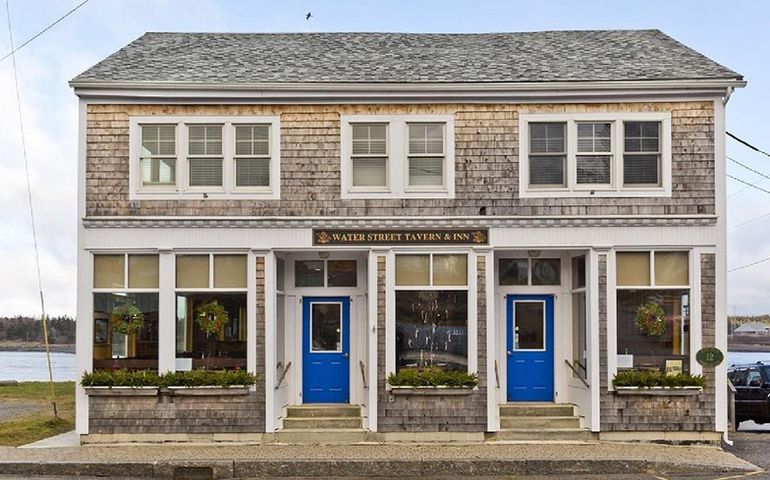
[309,14]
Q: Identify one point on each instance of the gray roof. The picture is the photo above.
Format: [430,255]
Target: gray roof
[252,58]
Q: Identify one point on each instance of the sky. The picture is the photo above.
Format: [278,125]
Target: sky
[735,36]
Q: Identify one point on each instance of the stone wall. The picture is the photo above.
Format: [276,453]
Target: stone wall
[486,163]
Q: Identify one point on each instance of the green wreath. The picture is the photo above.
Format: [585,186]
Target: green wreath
[127,319]
[651,319]
[211,317]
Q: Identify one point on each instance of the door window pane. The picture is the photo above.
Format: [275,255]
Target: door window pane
[514,271]
[341,273]
[546,271]
[229,271]
[192,271]
[108,271]
[529,326]
[671,268]
[326,329]
[412,270]
[309,273]
[450,270]
[633,268]
[142,271]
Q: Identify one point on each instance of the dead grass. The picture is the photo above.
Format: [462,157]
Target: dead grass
[40,423]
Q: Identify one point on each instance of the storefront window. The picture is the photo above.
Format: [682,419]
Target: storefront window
[432,311]
[653,319]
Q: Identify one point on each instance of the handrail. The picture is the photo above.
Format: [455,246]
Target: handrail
[283,374]
[575,371]
[363,373]
[497,375]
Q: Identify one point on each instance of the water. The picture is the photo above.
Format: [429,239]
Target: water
[747,357]
[32,366]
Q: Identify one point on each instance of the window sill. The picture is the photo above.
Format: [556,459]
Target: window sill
[659,391]
[596,193]
[199,195]
[432,391]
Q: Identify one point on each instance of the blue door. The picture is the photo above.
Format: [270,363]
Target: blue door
[326,349]
[530,348]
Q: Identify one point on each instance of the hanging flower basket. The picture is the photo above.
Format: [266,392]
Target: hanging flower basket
[211,317]
[127,319]
[651,319]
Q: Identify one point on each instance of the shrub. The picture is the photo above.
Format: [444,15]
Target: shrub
[653,378]
[148,378]
[432,377]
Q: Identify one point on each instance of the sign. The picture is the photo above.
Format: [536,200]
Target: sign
[673,367]
[400,237]
[709,356]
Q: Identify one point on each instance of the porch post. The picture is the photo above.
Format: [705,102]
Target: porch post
[167,312]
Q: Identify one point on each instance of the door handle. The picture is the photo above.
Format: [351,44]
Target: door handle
[509,353]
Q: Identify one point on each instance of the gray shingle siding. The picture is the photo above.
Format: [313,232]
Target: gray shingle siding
[557,56]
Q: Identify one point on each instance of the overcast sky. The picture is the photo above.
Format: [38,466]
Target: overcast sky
[735,37]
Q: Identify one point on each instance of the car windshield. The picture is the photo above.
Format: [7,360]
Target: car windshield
[766,371]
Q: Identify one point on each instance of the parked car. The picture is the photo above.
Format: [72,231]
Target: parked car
[752,397]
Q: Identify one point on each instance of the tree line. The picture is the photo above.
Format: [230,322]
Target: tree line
[61,330]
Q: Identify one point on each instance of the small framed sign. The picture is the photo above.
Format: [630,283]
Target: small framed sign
[709,356]
[673,367]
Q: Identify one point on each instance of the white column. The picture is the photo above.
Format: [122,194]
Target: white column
[592,334]
[371,336]
[166,312]
[251,313]
[84,326]
[720,272]
[493,389]
[270,342]
[473,317]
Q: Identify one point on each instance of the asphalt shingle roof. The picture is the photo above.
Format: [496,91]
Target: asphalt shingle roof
[251,58]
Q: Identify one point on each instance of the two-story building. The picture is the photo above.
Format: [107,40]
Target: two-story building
[359,203]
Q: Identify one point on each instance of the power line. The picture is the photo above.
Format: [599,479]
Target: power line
[14,50]
[744,142]
[747,183]
[31,209]
[749,221]
[748,168]
[748,265]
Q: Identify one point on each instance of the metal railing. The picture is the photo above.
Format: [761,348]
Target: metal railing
[577,373]
[283,374]
[363,372]
[497,375]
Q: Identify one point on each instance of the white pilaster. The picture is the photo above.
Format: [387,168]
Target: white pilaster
[166,312]
[271,329]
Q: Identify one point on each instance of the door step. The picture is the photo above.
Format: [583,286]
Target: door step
[527,422]
[315,418]
[318,410]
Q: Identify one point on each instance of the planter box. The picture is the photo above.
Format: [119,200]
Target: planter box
[401,390]
[121,391]
[208,390]
[659,391]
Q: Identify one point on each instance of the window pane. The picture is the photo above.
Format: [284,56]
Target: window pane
[252,140]
[142,271]
[426,171]
[547,138]
[252,172]
[211,349]
[593,169]
[192,271]
[546,170]
[280,274]
[309,273]
[546,271]
[642,136]
[326,332]
[229,271]
[633,268]
[108,271]
[370,172]
[426,138]
[651,350]
[450,270]
[514,271]
[412,269]
[205,172]
[641,169]
[341,273]
[671,268]
[158,140]
[432,329]
[578,272]
[158,171]
[529,326]
[594,137]
[579,335]
[205,139]
[131,342]
[369,139]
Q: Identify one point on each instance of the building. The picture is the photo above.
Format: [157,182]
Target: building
[753,328]
[360,203]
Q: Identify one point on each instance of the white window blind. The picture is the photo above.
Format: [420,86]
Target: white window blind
[547,153]
[426,155]
[158,155]
[205,155]
[594,153]
[369,155]
[252,155]
[641,157]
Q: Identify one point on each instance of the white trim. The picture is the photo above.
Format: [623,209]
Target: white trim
[271,329]
[472,323]
[493,390]
[397,157]
[514,343]
[372,332]
[720,273]
[390,313]
[592,337]
[182,189]
[696,323]
[166,312]
[616,188]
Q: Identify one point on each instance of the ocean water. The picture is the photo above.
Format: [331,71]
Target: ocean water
[32,366]
[747,357]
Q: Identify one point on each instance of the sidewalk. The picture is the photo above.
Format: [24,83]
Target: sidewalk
[221,461]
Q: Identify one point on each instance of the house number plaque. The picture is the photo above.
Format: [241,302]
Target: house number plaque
[478,236]
[709,356]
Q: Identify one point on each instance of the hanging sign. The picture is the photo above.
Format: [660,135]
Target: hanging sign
[709,356]
[478,236]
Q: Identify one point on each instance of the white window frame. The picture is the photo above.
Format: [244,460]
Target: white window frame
[397,170]
[615,188]
[182,189]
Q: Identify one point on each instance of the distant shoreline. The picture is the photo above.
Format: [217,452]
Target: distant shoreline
[35,347]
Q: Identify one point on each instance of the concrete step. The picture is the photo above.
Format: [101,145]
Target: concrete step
[541,435]
[536,410]
[305,411]
[323,436]
[311,423]
[537,423]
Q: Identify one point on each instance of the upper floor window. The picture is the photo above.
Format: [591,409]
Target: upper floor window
[208,157]
[397,156]
[597,154]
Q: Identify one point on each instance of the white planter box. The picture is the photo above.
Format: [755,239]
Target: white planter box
[121,391]
[659,391]
[209,390]
[403,390]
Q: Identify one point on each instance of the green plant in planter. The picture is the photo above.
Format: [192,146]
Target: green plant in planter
[120,378]
[654,378]
[211,318]
[149,378]
[127,319]
[432,377]
[651,319]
